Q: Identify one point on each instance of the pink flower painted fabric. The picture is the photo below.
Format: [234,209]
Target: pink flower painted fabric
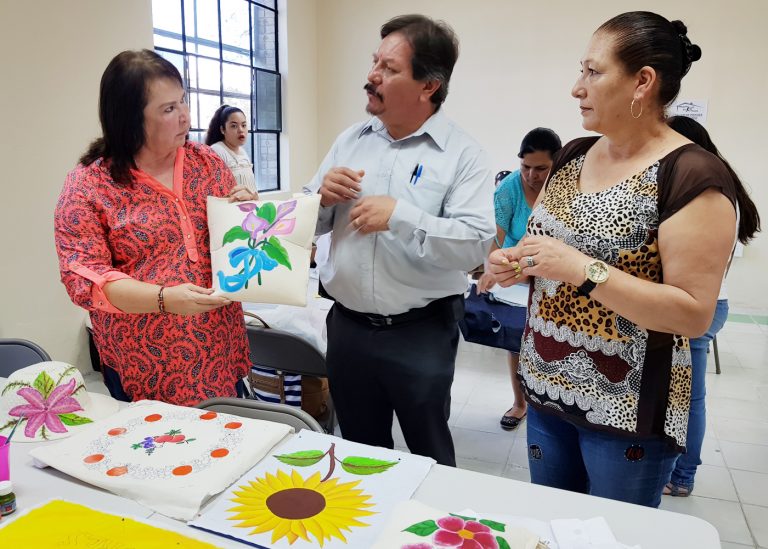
[260,250]
[466,534]
[43,410]
[50,400]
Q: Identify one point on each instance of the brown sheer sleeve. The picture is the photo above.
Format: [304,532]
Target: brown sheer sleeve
[687,172]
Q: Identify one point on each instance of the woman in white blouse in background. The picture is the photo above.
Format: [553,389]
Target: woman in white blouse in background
[226,136]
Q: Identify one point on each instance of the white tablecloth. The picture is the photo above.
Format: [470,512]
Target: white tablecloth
[306,322]
[444,488]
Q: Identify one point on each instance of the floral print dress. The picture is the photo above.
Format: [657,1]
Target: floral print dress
[107,231]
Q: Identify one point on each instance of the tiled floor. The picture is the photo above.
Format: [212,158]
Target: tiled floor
[731,489]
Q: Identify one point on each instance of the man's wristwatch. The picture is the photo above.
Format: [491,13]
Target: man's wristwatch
[597,272]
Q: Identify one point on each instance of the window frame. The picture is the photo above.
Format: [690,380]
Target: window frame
[255,128]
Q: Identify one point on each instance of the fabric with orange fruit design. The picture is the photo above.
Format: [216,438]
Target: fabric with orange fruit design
[169,458]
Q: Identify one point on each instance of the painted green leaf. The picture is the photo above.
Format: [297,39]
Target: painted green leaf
[235,233]
[303,458]
[13,385]
[462,516]
[8,425]
[423,528]
[365,466]
[74,419]
[493,525]
[267,211]
[44,383]
[502,543]
[65,373]
[276,251]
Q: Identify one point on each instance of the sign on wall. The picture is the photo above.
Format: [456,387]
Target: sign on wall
[692,108]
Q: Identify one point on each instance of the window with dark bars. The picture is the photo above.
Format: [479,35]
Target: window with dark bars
[226,51]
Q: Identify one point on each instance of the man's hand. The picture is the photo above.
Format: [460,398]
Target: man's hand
[340,185]
[372,213]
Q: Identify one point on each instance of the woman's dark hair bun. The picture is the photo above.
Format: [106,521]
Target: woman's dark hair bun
[694,52]
[680,27]
[691,52]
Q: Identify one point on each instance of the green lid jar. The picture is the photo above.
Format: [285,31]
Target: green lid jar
[7,498]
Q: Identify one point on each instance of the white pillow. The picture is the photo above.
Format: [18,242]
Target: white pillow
[260,250]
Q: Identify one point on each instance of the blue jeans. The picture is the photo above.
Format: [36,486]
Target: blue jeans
[564,455]
[685,468]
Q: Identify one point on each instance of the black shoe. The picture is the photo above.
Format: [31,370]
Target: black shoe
[510,423]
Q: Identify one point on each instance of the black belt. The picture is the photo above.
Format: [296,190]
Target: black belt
[444,305]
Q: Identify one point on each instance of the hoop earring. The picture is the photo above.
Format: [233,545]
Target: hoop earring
[632,110]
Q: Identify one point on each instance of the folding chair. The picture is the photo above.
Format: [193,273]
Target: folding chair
[289,354]
[268,411]
[16,354]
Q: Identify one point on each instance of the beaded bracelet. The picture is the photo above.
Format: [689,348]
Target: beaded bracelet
[161,300]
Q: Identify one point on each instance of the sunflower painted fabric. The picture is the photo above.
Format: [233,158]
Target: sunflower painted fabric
[316,490]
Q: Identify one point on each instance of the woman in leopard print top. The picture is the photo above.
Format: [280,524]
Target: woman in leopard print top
[621,277]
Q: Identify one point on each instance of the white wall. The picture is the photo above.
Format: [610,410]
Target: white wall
[516,68]
[298,43]
[518,63]
[52,55]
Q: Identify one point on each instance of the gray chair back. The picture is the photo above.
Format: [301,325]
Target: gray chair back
[16,354]
[268,411]
[285,351]
[290,354]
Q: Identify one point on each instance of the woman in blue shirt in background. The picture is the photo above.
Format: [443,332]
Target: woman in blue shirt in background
[513,200]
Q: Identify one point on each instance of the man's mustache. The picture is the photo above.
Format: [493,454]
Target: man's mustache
[370,88]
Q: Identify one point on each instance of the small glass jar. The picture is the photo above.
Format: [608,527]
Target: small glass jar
[7,498]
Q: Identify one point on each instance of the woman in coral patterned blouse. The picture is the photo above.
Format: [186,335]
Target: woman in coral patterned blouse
[132,239]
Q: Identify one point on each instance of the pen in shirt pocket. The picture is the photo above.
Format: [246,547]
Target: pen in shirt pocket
[416,174]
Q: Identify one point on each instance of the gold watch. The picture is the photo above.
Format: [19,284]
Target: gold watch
[597,272]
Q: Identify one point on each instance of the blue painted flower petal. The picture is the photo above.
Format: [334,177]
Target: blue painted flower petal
[238,255]
[269,263]
[258,263]
[231,283]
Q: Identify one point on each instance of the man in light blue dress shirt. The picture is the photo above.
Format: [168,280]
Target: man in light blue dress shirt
[409,198]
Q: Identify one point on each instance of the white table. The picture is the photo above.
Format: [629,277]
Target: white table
[444,488]
[449,488]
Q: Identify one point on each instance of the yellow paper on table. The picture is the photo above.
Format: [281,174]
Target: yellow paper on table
[64,524]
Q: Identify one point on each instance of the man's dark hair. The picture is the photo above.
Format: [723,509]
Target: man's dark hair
[435,49]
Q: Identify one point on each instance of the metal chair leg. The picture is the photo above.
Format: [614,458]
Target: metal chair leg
[717,355]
